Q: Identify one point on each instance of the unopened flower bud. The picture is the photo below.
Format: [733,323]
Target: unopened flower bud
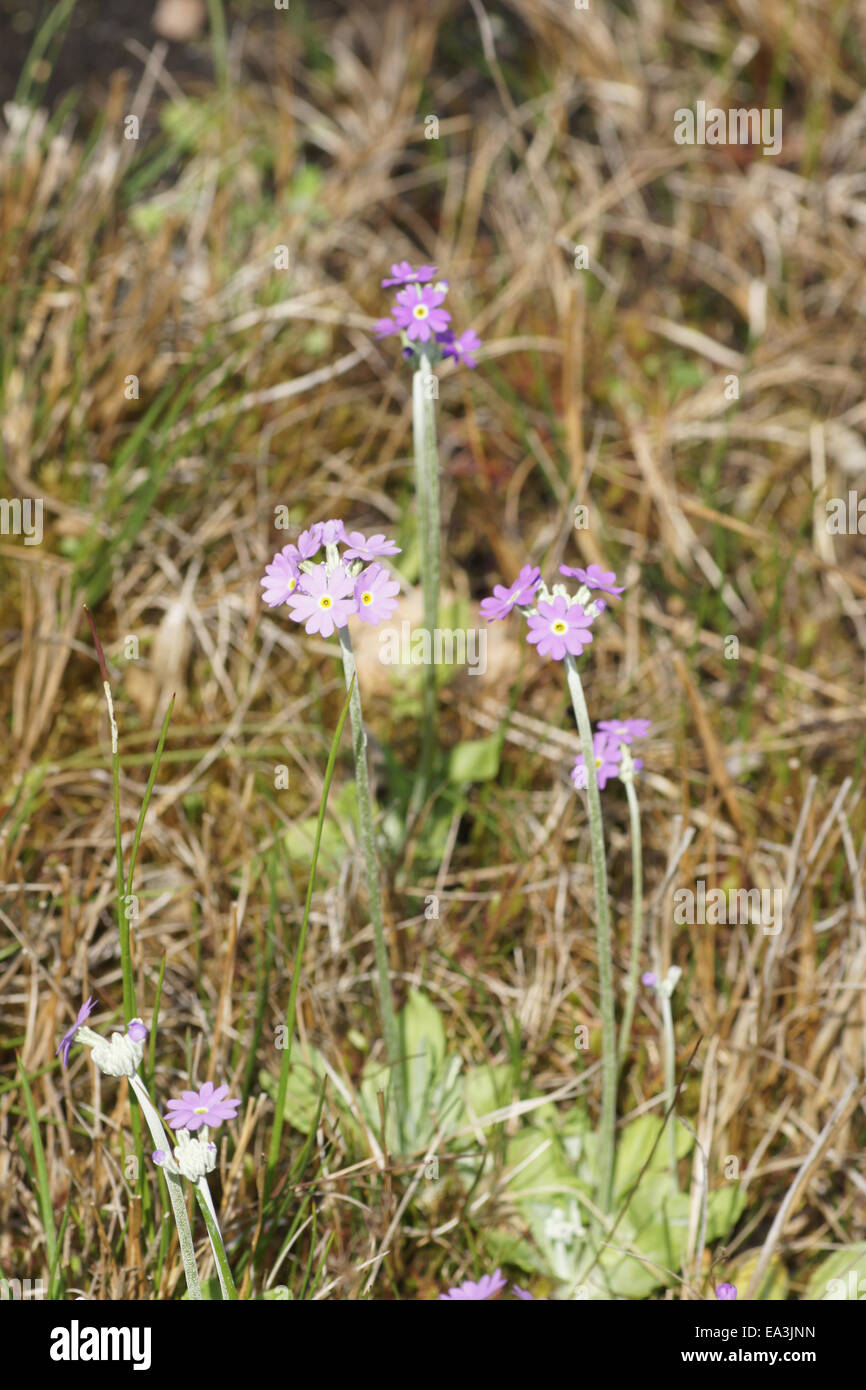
[119,1056]
[193,1158]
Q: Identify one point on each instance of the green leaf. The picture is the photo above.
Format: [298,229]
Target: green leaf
[660,1216]
[302,1088]
[431,1075]
[423,1036]
[305,187]
[724,1209]
[300,837]
[187,122]
[538,1167]
[627,1275]
[487,1088]
[635,1147]
[507,1249]
[663,1240]
[774,1285]
[839,1277]
[476,760]
[435,1099]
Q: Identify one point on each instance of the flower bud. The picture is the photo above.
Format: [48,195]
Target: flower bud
[193,1158]
[120,1056]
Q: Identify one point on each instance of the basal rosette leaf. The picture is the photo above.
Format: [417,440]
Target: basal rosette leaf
[841,1277]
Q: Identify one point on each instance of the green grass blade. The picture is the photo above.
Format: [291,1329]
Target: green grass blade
[57,20]
[148,792]
[46,1207]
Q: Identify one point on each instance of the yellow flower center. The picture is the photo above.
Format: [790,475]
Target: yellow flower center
[201,1110]
[559,627]
[420,311]
[367,597]
[324,601]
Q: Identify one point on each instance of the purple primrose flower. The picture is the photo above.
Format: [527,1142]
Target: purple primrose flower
[363,547]
[522,591]
[607,762]
[594,577]
[487,1286]
[69,1037]
[625,730]
[418,312]
[323,601]
[462,348]
[209,1106]
[402,273]
[559,627]
[280,581]
[375,594]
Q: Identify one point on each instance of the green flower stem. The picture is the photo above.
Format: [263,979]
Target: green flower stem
[670,1077]
[175,1188]
[607,1123]
[368,842]
[429,525]
[208,1211]
[636,921]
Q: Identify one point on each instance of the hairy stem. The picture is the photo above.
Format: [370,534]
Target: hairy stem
[427,502]
[208,1211]
[175,1188]
[607,1123]
[636,921]
[670,1078]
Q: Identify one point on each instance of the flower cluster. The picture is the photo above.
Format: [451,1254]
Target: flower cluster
[325,594]
[664,986]
[559,622]
[193,1158]
[418,316]
[613,757]
[487,1287]
[121,1056]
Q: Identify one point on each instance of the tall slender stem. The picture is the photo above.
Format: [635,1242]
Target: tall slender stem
[636,921]
[368,842]
[175,1188]
[670,1077]
[208,1211]
[607,1123]
[429,526]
